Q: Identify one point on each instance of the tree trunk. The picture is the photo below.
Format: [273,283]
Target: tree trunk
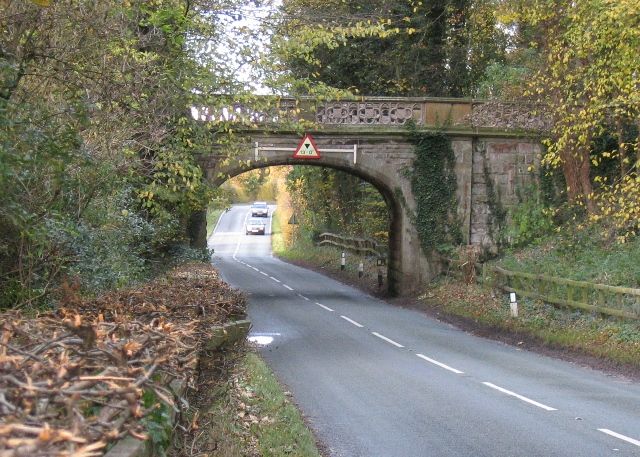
[638,147]
[577,169]
[197,229]
[622,150]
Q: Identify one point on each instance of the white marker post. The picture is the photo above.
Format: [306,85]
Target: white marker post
[513,304]
[343,261]
[360,270]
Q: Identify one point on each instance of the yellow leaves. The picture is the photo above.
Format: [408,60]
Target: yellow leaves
[619,206]
[43,3]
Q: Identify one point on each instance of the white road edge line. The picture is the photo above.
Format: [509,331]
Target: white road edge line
[323,306]
[263,273]
[619,436]
[244,224]
[388,340]
[287,287]
[275,279]
[440,364]
[352,321]
[303,297]
[525,399]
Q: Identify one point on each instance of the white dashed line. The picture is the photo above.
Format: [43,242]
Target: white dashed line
[323,306]
[303,297]
[254,268]
[275,279]
[263,273]
[520,397]
[352,321]
[388,340]
[440,364]
[619,436]
[287,287]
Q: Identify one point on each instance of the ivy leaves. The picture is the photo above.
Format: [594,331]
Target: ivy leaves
[433,182]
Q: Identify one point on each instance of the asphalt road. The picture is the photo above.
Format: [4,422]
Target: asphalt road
[376,380]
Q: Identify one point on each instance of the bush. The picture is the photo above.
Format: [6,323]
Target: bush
[530,220]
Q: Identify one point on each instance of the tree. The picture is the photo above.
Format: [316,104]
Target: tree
[590,82]
[423,48]
[98,149]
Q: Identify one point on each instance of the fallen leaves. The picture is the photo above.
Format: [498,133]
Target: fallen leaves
[72,380]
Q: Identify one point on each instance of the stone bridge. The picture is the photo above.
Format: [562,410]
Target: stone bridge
[368,138]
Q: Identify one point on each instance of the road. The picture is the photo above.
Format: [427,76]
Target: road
[377,380]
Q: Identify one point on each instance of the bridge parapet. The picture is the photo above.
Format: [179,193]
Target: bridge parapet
[384,112]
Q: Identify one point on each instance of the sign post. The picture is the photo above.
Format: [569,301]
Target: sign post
[513,304]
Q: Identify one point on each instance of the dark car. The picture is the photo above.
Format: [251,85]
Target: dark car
[255,225]
[260,209]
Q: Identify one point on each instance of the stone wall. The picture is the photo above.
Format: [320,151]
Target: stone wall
[507,164]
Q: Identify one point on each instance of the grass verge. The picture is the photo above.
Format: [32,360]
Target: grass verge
[608,339]
[582,255]
[240,410]
[213,214]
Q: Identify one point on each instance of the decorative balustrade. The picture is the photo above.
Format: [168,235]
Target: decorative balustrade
[382,111]
[369,112]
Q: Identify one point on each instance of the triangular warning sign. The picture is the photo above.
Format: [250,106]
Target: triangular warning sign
[307,149]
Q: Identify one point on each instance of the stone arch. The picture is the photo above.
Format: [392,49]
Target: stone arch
[376,178]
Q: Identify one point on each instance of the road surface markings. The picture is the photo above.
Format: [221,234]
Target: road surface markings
[303,297]
[275,279]
[323,306]
[440,364]
[244,224]
[287,287]
[619,436]
[254,268]
[352,321]
[263,273]
[388,340]
[525,399]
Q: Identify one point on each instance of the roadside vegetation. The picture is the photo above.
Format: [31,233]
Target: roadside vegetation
[538,324]
[240,410]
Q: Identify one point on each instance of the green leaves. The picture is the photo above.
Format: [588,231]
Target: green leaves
[433,182]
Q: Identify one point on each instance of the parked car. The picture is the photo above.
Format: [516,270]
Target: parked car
[255,225]
[260,209]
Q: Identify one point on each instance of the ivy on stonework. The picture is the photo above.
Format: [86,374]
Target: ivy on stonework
[433,182]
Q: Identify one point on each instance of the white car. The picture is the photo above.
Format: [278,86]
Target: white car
[260,209]
[255,225]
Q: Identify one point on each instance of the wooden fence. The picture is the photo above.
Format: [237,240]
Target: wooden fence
[362,246]
[600,298]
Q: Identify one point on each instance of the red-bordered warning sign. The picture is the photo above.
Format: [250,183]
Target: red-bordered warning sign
[307,149]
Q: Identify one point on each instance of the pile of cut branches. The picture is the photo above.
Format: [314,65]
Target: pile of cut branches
[72,380]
